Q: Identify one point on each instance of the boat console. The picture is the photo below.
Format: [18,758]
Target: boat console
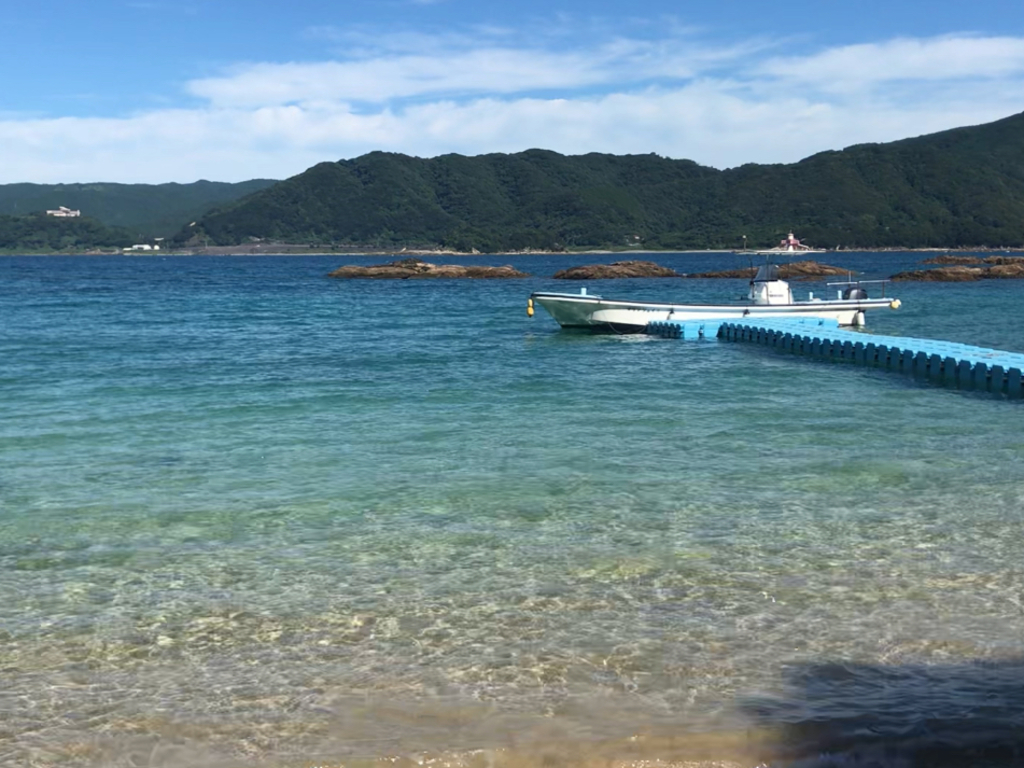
[767,288]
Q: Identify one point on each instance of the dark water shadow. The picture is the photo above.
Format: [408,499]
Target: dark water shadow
[900,716]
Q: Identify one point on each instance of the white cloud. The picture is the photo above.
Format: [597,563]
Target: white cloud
[859,67]
[622,96]
[490,69]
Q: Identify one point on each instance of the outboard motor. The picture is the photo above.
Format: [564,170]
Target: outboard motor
[855,292]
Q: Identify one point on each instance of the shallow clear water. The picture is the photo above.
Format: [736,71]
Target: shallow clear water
[252,514]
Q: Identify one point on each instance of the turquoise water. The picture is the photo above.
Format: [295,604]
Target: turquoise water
[253,515]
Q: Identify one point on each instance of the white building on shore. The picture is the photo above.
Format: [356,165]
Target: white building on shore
[64,213]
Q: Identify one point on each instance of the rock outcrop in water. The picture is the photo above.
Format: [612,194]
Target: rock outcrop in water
[950,259]
[964,274]
[615,270]
[416,269]
[800,270]
[975,261]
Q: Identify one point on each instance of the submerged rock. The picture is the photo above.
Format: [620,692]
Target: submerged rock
[797,269]
[957,274]
[415,268]
[616,269]
[950,259]
[961,274]
[975,261]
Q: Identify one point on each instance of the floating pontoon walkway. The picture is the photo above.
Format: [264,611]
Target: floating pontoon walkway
[960,365]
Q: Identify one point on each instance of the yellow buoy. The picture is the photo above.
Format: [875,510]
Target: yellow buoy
[895,304]
[529,307]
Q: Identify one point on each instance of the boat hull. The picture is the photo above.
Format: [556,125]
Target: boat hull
[597,314]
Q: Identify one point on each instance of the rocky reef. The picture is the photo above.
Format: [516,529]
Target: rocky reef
[406,269]
[976,261]
[615,270]
[799,270]
[964,274]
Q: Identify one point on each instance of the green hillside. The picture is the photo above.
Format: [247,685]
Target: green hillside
[963,187]
[147,210]
[40,233]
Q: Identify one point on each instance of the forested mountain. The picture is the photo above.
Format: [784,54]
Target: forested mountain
[40,233]
[147,210]
[963,187]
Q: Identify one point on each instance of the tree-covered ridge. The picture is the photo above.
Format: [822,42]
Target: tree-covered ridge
[963,187]
[147,210]
[45,234]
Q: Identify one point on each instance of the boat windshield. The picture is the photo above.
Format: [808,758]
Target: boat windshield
[766,272]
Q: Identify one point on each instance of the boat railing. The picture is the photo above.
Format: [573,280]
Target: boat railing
[851,281]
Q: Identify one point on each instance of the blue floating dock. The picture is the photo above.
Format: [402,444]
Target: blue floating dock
[960,365]
[711,329]
[685,329]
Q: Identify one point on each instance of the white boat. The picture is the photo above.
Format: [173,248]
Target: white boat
[787,247]
[769,297]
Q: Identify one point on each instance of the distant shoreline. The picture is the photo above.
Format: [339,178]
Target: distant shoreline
[286,250]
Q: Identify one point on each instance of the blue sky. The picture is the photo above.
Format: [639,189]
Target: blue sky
[160,90]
